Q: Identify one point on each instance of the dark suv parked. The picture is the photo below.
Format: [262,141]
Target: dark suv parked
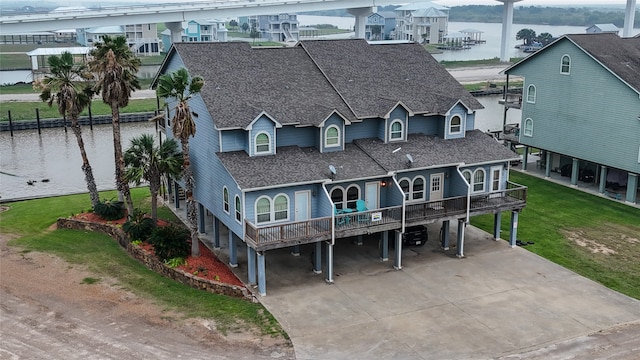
[415,235]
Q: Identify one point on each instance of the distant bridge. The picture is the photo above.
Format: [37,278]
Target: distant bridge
[174,14]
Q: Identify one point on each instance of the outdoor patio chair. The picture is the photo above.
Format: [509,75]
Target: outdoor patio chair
[360,207]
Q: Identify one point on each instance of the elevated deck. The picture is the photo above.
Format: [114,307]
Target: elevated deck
[276,236]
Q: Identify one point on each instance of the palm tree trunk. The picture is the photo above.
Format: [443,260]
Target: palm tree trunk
[192,216]
[121,183]
[86,167]
[154,186]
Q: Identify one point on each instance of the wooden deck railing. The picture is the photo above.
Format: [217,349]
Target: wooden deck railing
[356,223]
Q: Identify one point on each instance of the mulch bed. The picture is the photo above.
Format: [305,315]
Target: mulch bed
[206,266]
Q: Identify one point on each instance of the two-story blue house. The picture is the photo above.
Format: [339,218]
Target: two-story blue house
[581,107]
[379,25]
[333,139]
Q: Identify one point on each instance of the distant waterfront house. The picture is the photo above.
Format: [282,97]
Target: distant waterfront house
[142,38]
[302,145]
[603,28]
[198,31]
[581,108]
[379,25]
[423,22]
[279,27]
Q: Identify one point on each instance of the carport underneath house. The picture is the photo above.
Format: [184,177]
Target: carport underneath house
[612,182]
[394,209]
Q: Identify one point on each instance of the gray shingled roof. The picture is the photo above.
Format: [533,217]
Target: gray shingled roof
[304,84]
[620,55]
[241,82]
[365,158]
[292,164]
[365,75]
[432,151]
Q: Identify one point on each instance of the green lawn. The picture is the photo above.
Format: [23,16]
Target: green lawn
[27,110]
[104,257]
[591,235]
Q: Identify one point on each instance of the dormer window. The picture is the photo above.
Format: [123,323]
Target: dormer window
[455,126]
[332,136]
[396,131]
[565,66]
[262,143]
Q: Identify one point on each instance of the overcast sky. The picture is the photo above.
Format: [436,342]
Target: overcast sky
[532,2]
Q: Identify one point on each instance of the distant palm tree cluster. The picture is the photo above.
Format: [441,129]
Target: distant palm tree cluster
[111,73]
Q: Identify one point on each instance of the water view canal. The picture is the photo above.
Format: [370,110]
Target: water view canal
[54,155]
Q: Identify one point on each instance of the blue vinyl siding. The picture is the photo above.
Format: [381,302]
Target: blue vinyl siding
[293,136]
[369,128]
[234,140]
[263,124]
[399,113]
[589,114]
[460,111]
[318,209]
[420,124]
[471,121]
[334,120]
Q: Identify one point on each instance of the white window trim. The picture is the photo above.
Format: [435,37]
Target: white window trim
[527,131]
[484,181]
[407,195]
[562,65]
[401,130]
[343,196]
[273,208]
[493,179]
[255,206]
[255,143]
[327,145]
[238,210]
[226,206]
[535,94]
[451,125]
[467,171]
[424,188]
[346,194]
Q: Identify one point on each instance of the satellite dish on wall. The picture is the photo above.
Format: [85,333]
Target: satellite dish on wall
[410,158]
[332,169]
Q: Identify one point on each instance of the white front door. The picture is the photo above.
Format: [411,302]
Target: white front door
[436,186]
[371,195]
[303,205]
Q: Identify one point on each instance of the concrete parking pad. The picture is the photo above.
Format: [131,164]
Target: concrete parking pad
[498,301]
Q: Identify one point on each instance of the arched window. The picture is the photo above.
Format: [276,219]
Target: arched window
[531,94]
[281,207]
[528,127]
[337,197]
[418,188]
[263,210]
[405,186]
[353,194]
[467,176]
[478,180]
[238,209]
[332,136]
[225,199]
[456,125]
[396,132]
[263,143]
[565,65]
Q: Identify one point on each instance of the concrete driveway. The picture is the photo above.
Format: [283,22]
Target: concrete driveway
[495,302]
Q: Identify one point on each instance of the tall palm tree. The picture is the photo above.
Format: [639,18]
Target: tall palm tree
[117,68]
[181,87]
[145,161]
[68,86]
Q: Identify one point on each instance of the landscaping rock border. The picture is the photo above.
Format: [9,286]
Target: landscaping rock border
[154,264]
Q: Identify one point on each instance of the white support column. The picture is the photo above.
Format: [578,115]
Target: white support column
[507,21]
[513,235]
[176,31]
[361,19]
[632,188]
[317,258]
[398,259]
[461,226]
[629,18]
[329,278]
